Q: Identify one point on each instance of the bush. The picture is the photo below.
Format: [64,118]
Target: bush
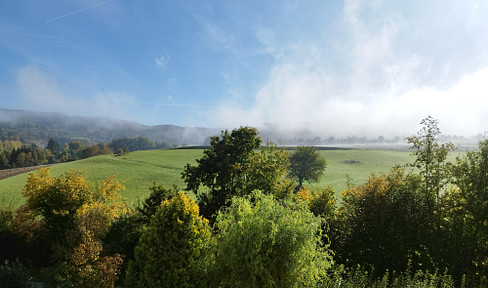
[359,278]
[264,243]
[171,251]
[14,275]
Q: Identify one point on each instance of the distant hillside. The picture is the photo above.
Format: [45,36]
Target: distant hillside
[39,127]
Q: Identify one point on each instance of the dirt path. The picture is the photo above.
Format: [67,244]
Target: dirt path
[4,174]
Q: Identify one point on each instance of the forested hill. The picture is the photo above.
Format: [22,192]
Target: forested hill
[39,127]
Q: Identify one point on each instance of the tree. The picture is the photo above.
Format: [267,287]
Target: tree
[159,193]
[76,219]
[216,169]
[264,243]
[54,148]
[90,151]
[171,251]
[232,166]
[265,171]
[469,211]
[430,156]
[386,224]
[321,203]
[132,144]
[56,200]
[306,164]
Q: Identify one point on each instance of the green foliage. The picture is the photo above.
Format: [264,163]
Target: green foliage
[431,156]
[386,224]
[124,234]
[265,171]
[56,200]
[159,193]
[231,167]
[76,219]
[121,238]
[360,278]
[172,249]
[8,238]
[264,243]
[54,149]
[306,164]
[467,214]
[140,169]
[6,219]
[23,156]
[322,204]
[14,275]
[132,144]
[217,168]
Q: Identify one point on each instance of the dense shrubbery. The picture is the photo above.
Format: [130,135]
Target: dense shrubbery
[132,144]
[172,249]
[14,154]
[421,227]
[14,275]
[65,220]
[265,242]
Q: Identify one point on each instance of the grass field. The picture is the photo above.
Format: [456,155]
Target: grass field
[138,170]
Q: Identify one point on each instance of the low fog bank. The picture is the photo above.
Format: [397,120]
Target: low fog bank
[38,127]
[316,135]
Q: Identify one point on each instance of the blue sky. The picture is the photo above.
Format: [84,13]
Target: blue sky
[340,67]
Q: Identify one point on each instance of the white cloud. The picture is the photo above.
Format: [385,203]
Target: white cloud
[385,73]
[267,38]
[38,90]
[162,61]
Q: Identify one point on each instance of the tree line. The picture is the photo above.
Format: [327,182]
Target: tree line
[253,225]
[15,154]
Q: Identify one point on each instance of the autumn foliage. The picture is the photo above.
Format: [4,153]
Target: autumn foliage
[75,218]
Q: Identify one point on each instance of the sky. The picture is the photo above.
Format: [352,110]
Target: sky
[340,68]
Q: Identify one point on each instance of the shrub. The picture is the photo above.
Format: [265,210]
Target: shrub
[14,275]
[264,243]
[171,251]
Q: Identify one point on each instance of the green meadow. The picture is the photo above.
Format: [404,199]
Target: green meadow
[139,170]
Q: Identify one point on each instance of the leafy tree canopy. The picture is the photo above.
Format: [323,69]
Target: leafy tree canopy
[306,164]
[430,156]
[77,218]
[171,252]
[232,166]
[264,243]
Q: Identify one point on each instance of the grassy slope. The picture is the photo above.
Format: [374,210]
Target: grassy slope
[138,170]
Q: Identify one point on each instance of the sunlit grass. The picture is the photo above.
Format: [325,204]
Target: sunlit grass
[138,170]
[356,166]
